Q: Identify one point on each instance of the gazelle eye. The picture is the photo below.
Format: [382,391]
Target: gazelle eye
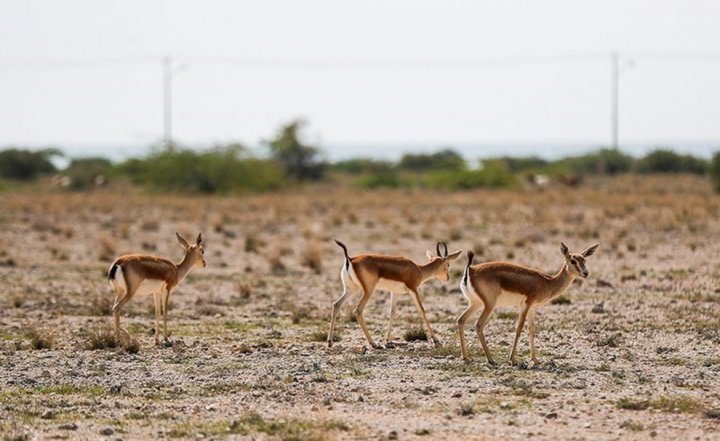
[574,262]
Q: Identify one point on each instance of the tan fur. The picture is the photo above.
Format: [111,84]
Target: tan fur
[139,268]
[371,269]
[490,284]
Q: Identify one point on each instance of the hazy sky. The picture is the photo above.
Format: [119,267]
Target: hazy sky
[388,75]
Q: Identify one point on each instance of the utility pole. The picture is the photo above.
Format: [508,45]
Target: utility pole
[614,97]
[167,102]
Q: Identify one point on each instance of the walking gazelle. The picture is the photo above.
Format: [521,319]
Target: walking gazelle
[396,274]
[494,284]
[141,274]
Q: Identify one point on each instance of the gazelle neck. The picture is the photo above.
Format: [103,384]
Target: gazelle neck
[429,269]
[184,267]
[562,280]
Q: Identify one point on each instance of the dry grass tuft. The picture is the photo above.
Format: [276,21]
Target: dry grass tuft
[312,255]
[107,249]
[101,337]
[274,258]
[415,334]
[39,338]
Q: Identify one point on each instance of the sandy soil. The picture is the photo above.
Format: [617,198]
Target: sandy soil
[633,354]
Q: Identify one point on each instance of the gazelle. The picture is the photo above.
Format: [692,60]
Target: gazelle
[396,274]
[494,284]
[140,274]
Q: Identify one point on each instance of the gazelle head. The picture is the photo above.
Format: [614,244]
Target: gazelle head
[576,262]
[443,270]
[195,253]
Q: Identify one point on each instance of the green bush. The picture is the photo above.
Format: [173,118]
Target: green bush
[84,172]
[493,174]
[223,169]
[715,171]
[25,165]
[387,179]
[360,166]
[603,161]
[443,160]
[524,163]
[668,161]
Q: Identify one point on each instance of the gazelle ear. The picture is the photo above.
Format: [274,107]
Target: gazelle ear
[454,255]
[564,249]
[182,241]
[590,250]
[198,241]
[429,254]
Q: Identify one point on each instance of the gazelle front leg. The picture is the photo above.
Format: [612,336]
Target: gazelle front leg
[421,311]
[157,297]
[393,309]
[166,303]
[518,331]
[531,332]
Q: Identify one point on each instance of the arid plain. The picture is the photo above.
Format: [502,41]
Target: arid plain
[633,352]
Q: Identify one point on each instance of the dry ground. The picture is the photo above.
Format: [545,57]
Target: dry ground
[635,354]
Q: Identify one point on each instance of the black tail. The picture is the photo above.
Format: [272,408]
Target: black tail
[113,270]
[347,258]
[471,256]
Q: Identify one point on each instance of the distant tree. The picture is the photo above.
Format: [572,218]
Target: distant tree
[24,165]
[715,170]
[443,160]
[300,161]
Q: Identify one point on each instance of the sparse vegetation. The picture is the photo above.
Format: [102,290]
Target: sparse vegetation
[39,338]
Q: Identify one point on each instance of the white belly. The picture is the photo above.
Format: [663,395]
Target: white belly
[391,286]
[510,299]
[150,286]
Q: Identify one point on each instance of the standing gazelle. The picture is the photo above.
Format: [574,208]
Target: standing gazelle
[396,274]
[494,284]
[141,274]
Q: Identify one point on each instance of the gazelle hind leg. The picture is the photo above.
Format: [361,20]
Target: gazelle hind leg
[469,312]
[393,309]
[116,310]
[337,304]
[480,329]
[358,312]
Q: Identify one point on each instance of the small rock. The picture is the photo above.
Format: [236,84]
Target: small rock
[48,415]
[360,399]
[392,435]
[69,426]
[107,431]
[457,395]
[599,308]
[653,434]
[604,283]
[551,415]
